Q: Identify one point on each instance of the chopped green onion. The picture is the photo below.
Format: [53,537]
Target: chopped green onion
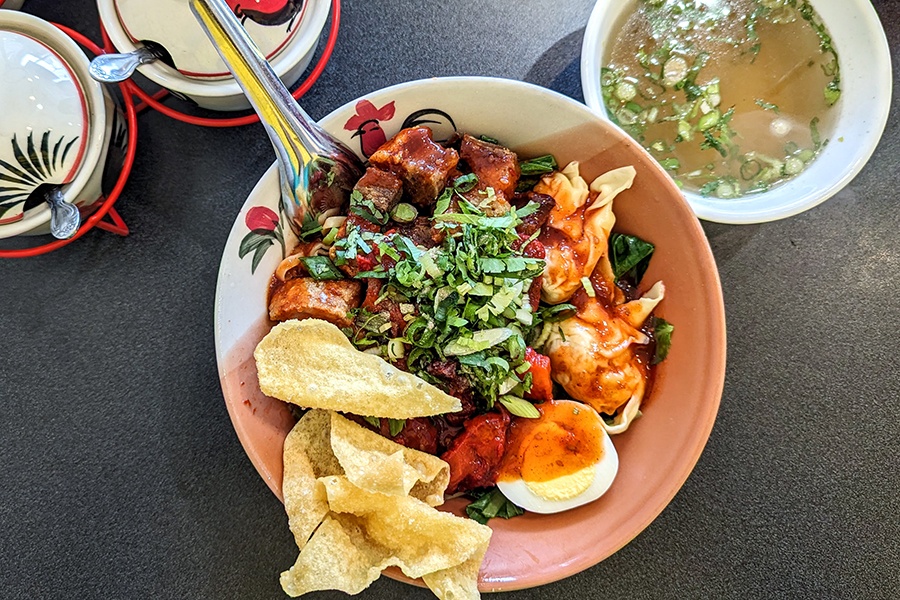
[708,120]
[588,287]
[675,70]
[330,236]
[395,349]
[793,165]
[625,91]
[404,213]
[520,407]
[670,164]
[480,340]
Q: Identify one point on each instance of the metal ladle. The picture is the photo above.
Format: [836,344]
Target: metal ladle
[316,171]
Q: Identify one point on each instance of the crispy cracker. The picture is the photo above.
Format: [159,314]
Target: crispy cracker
[311,363]
[378,464]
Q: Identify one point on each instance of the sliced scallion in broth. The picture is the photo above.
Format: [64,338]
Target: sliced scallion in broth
[732,97]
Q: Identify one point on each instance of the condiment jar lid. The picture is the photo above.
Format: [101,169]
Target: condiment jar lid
[171,24]
[44,124]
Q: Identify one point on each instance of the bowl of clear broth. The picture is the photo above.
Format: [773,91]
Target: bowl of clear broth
[758,109]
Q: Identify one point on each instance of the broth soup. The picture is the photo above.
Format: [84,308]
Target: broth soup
[732,97]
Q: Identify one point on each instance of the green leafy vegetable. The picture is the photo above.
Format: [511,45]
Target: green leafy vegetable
[533,169]
[538,166]
[468,298]
[490,504]
[310,226]
[321,267]
[629,256]
[396,426]
[662,333]
[464,183]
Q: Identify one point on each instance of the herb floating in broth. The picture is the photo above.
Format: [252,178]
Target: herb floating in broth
[730,96]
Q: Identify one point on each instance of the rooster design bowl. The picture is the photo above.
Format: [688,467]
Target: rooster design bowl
[286,31]
[56,125]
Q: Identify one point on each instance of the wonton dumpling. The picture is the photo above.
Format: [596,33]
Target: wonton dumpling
[637,311]
[582,228]
[592,357]
[568,189]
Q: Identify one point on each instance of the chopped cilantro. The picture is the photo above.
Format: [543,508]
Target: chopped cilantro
[469,296]
[365,208]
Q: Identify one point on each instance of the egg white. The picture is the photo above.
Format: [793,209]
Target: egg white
[605,471]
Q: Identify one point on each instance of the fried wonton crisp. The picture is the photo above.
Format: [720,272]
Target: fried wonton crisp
[377,464]
[311,363]
[358,503]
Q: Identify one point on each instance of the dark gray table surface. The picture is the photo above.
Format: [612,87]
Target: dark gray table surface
[123,478]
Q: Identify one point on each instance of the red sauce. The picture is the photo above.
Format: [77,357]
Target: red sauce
[562,441]
[554,238]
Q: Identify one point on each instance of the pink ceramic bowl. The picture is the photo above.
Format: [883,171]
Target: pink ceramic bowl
[656,454]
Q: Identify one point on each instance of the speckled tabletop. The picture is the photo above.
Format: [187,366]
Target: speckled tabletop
[123,478]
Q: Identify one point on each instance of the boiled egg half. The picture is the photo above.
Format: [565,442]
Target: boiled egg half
[558,461]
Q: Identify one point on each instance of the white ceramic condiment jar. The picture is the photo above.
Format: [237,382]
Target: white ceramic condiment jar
[286,31]
[55,127]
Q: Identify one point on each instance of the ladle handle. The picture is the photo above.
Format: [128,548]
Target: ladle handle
[304,149]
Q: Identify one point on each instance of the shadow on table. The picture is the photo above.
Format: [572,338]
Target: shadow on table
[727,241]
[559,67]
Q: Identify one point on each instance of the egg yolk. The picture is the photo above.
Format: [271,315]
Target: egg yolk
[562,444]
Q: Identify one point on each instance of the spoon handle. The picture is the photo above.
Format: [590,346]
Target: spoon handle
[113,68]
[317,171]
[64,217]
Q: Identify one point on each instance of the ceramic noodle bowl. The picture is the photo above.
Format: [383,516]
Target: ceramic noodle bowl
[57,125]
[286,31]
[655,454]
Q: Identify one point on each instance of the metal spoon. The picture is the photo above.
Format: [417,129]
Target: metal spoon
[64,217]
[113,68]
[317,172]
